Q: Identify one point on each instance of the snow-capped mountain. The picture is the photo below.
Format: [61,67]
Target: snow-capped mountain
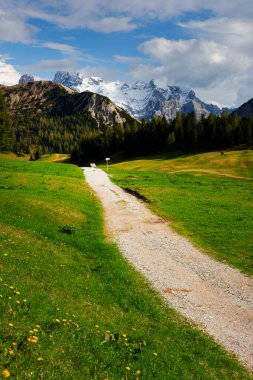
[141,100]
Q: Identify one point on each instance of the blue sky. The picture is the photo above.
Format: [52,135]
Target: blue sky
[205,47]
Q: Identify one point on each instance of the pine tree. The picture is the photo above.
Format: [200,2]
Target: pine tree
[5,127]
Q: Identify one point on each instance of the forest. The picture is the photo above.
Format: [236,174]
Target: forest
[80,135]
[184,133]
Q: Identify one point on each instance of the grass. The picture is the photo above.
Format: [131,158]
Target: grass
[213,210]
[237,163]
[71,306]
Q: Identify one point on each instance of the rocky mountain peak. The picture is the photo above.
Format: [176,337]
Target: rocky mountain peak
[26,78]
[142,99]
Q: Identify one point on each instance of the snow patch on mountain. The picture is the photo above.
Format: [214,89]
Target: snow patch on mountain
[141,99]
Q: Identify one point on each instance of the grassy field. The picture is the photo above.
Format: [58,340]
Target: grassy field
[237,163]
[71,307]
[212,207]
[54,157]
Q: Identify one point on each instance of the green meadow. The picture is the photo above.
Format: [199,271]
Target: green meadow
[71,307]
[206,197]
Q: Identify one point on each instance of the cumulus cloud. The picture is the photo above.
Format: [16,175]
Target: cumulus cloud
[8,75]
[214,69]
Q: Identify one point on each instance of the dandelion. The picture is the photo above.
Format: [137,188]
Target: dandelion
[108,331]
[124,335]
[40,359]
[17,292]
[97,326]
[1,279]
[6,373]
[64,320]
[1,296]
[18,302]
[14,344]
[138,372]
[57,320]
[6,254]
[35,330]
[33,339]
[128,368]
[11,352]
[11,324]
[25,300]
[11,287]
[154,353]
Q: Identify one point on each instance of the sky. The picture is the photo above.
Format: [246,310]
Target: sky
[203,45]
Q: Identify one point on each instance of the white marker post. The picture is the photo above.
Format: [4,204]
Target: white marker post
[107,162]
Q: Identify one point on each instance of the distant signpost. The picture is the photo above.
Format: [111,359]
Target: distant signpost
[107,159]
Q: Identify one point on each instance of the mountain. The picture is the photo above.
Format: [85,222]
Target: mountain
[53,99]
[141,100]
[246,109]
[49,117]
[26,78]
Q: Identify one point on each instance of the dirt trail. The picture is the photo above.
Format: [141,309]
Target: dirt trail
[217,298]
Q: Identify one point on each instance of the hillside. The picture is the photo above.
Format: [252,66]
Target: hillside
[53,99]
[246,109]
[56,118]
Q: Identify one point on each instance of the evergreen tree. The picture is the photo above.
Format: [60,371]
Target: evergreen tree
[5,127]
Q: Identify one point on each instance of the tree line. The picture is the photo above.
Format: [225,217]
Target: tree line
[80,135]
[184,133]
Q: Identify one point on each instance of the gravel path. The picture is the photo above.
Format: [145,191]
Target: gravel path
[217,298]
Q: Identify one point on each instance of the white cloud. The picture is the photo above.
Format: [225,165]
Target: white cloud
[49,65]
[214,70]
[8,75]
[63,48]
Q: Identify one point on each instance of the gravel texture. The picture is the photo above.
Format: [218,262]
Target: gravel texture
[217,298]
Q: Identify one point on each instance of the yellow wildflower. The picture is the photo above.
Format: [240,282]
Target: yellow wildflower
[11,352]
[11,324]
[138,372]
[6,373]
[154,353]
[1,296]
[64,320]
[24,300]
[97,326]
[5,254]
[40,359]
[128,368]
[17,292]
[35,330]
[57,320]
[33,339]
[124,335]
[14,344]
[18,302]
[11,287]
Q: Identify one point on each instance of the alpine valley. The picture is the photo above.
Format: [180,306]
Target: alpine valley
[143,100]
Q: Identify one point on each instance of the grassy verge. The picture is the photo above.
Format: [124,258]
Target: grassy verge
[214,211]
[71,307]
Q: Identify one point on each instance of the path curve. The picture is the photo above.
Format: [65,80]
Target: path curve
[217,298]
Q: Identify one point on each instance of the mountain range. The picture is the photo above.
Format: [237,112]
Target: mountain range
[142,99]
